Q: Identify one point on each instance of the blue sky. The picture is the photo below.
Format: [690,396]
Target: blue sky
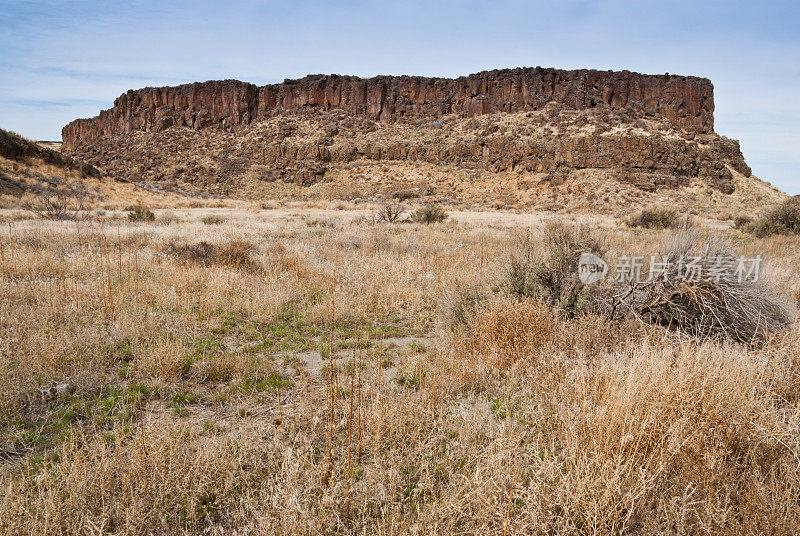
[66,59]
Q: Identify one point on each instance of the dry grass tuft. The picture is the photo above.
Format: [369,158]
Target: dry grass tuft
[238,254]
[107,484]
[507,331]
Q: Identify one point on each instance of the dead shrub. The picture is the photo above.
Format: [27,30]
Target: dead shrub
[390,213]
[59,203]
[237,254]
[734,308]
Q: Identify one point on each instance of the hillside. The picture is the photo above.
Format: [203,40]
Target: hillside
[58,186]
[597,141]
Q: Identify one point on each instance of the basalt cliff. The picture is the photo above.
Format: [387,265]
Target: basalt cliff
[524,136]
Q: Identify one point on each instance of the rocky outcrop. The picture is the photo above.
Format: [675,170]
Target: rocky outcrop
[17,148]
[304,148]
[686,102]
[542,127]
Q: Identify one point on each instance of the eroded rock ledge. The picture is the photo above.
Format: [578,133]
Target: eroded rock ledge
[686,102]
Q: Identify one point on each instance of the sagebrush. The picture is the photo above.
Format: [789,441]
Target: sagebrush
[430,213]
[781,220]
[655,218]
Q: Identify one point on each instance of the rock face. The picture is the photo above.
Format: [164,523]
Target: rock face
[538,129]
[684,101]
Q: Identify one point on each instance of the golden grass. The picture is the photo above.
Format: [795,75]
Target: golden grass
[104,193]
[201,398]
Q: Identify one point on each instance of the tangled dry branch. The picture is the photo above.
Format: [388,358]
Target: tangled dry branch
[738,309]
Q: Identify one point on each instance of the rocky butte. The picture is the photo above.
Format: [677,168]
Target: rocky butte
[533,127]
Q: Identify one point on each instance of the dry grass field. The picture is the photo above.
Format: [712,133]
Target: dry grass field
[307,371]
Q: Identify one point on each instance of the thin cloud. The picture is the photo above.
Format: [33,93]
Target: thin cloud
[49,104]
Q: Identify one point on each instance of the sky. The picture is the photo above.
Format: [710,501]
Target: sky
[60,60]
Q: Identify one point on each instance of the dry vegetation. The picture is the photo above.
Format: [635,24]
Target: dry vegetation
[310,372]
[657,218]
[528,160]
[782,219]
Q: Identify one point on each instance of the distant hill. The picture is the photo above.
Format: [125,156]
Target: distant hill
[15,147]
[54,145]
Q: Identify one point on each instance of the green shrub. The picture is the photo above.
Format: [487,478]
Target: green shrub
[782,220]
[553,275]
[430,213]
[464,302]
[212,219]
[141,213]
[654,218]
[405,195]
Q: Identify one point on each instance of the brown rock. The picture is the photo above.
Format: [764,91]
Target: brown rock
[685,101]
